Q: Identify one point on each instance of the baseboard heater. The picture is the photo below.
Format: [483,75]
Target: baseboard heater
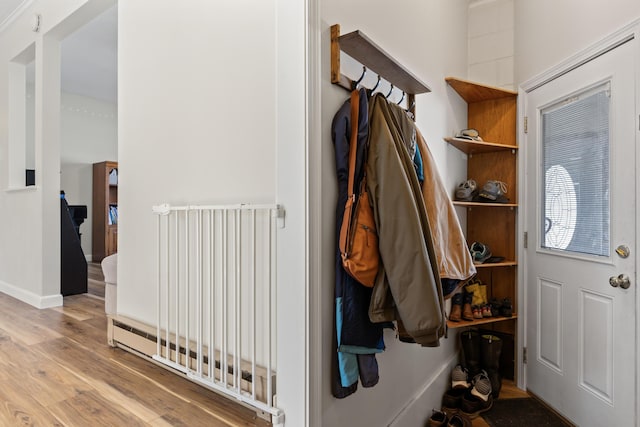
[141,339]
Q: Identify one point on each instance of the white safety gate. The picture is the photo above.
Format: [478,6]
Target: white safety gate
[216,299]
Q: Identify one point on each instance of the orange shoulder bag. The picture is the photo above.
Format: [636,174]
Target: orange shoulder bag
[358,235]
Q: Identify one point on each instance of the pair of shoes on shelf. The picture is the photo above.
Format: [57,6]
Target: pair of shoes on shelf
[482,311]
[493,191]
[466,398]
[479,302]
[461,307]
[472,304]
[467,306]
[502,307]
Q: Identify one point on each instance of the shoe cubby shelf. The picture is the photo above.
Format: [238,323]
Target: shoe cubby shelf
[483,321]
[492,112]
[483,204]
[497,264]
[476,147]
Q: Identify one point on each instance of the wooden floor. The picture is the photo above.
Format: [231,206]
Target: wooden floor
[95,280]
[56,369]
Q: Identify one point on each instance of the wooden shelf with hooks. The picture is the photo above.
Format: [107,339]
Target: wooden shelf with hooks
[359,47]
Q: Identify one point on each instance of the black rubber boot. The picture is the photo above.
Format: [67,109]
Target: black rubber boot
[491,347]
[470,341]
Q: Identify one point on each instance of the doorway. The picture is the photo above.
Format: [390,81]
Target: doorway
[88,131]
[580,259]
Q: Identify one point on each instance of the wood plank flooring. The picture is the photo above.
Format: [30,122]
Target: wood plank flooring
[56,369]
[95,279]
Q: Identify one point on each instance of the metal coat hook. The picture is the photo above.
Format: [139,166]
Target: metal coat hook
[376,86]
[357,82]
[401,99]
[391,90]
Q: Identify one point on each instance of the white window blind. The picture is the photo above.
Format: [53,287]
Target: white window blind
[575,172]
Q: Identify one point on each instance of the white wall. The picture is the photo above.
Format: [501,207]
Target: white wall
[196,121]
[491,50]
[569,26]
[211,98]
[30,225]
[424,37]
[88,134]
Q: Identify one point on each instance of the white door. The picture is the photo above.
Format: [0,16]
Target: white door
[580,196]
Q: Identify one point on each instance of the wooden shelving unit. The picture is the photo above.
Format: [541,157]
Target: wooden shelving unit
[479,322]
[105,195]
[492,112]
[475,147]
[484,205]
[497,264]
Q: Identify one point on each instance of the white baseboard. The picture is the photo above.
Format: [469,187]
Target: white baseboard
[418,409]
[38,301]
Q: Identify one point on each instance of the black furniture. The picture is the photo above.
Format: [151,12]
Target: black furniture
[78,215]
[73,264]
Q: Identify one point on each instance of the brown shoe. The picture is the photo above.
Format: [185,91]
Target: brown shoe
[477,312]
[456,308]
[478,399]
[467,311]
[459,420]
[438,419]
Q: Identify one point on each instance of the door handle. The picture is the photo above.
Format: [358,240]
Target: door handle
[622,280]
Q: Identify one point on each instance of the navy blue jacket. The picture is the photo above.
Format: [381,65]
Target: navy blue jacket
[356,338]
[357,329]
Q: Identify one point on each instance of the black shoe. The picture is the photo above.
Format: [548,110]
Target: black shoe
[506,309]
[491,348]
[496,305]
[471,355]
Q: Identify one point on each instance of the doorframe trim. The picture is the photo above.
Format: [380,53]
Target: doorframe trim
[313,227]
[628,33]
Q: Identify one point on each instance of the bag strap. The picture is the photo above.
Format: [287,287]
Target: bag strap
[345,229]
[353,143]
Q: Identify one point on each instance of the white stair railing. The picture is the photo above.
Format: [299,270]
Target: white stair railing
[216,298]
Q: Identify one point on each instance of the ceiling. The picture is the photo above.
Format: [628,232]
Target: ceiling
[88,56]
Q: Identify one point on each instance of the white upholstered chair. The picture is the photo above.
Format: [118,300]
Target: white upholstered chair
[110,271]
